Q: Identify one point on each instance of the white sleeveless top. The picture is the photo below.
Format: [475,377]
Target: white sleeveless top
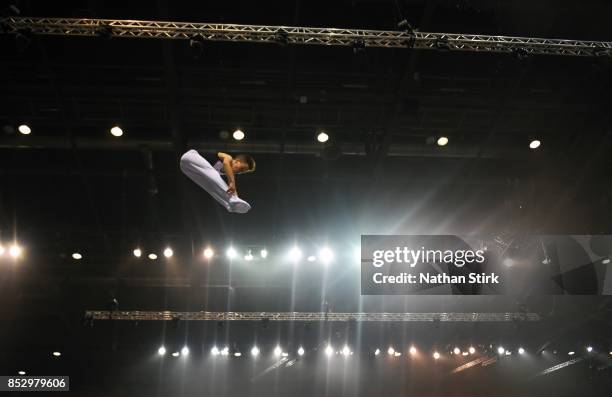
[219,167]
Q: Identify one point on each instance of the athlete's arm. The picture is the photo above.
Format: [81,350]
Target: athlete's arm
[229,172]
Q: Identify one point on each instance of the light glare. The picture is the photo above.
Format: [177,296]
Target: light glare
[231,253]
[24,129]
[295,254]
[238,135]
[137,253]
[116,131]
[326,255]
[322,137]
[15,251]
[534,144]
[161,351]
[442,141]
[168,252]
[208,253]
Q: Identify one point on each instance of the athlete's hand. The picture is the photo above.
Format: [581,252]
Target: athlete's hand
[232,189]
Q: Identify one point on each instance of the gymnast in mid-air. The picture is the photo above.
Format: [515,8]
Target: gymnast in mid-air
[208,177]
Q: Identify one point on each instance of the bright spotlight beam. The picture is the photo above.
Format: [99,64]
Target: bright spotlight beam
[326,255]
[231,253]
[295,254]
[15,251]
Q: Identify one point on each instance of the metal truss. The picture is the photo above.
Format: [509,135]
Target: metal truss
[308,316]
[303,36]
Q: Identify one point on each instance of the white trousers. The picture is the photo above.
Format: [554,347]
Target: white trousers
[201,172]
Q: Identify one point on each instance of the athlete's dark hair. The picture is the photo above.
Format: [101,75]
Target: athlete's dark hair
[248,160]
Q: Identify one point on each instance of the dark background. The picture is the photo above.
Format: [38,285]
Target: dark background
[72,187]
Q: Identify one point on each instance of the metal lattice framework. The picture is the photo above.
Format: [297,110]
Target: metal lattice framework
[303,35]
[308,316]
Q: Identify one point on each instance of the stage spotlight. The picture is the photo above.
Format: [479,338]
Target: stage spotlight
[116,131]
[390,351]
[152,256]
[175,354]
[248,256]
[322,137]
[604,261]
[311,258]
[254,351]
[1,250]
[137,253]
[161,351]
[238,135]
[610,352]
[346,351]
[464,354]
[225,351]
[263,253]
[15,251]
[521,350]
[24,129]
[436,355]
[208,253]
[295,254]
[237,354]
[285,354]
[412,350]
[472,350]
[508,353]
[326,255]
[501,350]
[376,352]
[57,354]
[77,256]
[456,350]
[277,351]
[300,351]
[442,141]
[329,351]
[185,351]
[571,353]
[231,253]
[589,349]
[534,144]
[397,354]
[21,373]
[214,351]
[168,252]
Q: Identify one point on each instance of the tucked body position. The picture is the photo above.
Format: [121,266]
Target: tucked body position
[209,177]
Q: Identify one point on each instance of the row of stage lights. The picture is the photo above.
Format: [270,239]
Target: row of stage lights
[239,135]
[346,351]
[295,254]
[329,351]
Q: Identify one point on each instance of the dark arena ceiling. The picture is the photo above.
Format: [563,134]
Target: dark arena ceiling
[71,187]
